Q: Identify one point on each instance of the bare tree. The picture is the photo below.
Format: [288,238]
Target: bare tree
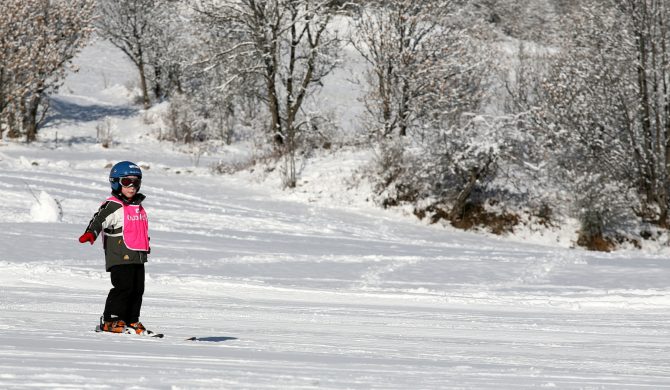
[169,47]
[427,81]
[126,23]
[531,20]
[649,27]
[285,42]
[607,100]
[401,41]
[38,39]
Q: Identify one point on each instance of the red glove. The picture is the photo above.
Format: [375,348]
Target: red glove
[88,236]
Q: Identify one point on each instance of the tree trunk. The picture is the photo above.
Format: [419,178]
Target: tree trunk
[276,126]
[404,110]
[650,181]
[13,131]
[158,89]
[456,212]
[143,85]
[30,119]
[476,173]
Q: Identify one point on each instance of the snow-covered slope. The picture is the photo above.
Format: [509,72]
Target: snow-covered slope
[287,291]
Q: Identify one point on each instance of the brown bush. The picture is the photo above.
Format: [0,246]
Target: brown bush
[602,243]
[474,216]
[596,243]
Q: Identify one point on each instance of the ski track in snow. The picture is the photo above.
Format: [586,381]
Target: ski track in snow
[316,297]
[291,294]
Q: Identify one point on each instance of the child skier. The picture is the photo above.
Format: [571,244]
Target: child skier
[123,223]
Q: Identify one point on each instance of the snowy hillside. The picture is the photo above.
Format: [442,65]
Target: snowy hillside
[292,290]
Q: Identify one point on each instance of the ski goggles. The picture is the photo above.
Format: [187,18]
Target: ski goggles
[130,182]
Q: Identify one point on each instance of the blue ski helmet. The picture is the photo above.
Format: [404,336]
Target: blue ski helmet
[122,169]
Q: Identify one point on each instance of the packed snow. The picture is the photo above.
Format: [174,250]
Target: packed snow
[312,288]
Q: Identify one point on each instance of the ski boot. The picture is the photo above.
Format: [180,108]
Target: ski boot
[116,326]
[138,328]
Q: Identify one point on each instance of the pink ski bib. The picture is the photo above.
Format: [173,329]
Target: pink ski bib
[135,226]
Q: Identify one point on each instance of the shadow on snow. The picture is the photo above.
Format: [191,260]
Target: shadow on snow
[213,339]
[65,111]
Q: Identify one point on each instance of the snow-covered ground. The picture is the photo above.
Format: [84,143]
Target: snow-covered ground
[293,289]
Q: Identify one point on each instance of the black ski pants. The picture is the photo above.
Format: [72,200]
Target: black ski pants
[124,300]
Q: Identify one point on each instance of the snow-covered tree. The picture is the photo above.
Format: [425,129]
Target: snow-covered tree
[532,20]
[428,78]
[402,43]
[38,39]
[126,23]
[288,45]
[155,35]
[608,108]
[170,40]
